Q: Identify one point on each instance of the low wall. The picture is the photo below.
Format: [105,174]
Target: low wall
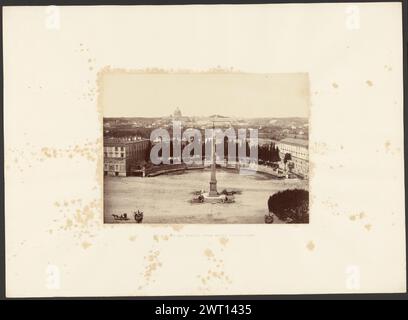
[168,168]
[268,170]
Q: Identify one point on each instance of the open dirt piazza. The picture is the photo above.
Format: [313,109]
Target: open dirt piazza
[167,198]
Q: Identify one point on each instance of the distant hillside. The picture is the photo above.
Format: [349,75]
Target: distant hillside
[217,116]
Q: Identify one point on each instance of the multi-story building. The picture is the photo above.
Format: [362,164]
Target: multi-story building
[121,156]
[299,151]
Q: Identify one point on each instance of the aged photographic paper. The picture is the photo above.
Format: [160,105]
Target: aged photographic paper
[203,149]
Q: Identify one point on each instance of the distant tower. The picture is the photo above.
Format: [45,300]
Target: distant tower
[213,181]
[177,114]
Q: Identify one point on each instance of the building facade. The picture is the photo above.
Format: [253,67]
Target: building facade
[121,156]
[299,151]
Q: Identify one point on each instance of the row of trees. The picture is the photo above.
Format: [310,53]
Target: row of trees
[266,153]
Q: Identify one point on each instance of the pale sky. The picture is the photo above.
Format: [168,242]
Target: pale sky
[127,94]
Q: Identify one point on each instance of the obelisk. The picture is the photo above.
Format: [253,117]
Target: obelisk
[213,182]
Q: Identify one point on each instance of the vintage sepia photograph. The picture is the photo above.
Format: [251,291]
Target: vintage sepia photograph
[205,148]
[149,149]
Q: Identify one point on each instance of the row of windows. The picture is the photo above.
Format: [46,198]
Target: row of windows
[299,152]
[114,155]
[301,166]
[133,150]
[111,149]
[114,167]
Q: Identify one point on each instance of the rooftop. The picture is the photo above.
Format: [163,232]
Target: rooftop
[296,142]
[121,142]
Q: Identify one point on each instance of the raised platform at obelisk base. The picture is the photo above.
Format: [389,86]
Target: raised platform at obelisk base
[213,198]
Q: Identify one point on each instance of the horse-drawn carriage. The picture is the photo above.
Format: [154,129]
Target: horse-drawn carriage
[138,216]
[121,217]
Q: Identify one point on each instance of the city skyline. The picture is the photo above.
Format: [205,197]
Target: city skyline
[202,116]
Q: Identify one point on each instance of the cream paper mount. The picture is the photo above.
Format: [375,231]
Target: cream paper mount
[70,72]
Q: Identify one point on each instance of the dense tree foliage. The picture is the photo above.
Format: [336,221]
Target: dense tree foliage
[287,157]
[268,154]
[291,205]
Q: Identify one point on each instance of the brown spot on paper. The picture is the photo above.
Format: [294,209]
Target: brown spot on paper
[223,241]
[357,216]
[369,83]
[392,150]
[157,238]
[89,151]
[68,224]
[215,273]
[153,263]
[80,219]
[335,85]
[209,253]
[387,145]
[310,246]
[85,244]
[177,227]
